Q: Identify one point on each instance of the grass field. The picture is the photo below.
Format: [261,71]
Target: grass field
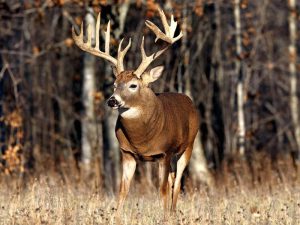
[46,203]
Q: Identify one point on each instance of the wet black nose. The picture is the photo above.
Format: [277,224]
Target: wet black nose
[112,102]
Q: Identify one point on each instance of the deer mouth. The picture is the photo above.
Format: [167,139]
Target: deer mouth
[115,103]
[119,106]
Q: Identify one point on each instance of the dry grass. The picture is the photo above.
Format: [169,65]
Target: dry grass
[52,203]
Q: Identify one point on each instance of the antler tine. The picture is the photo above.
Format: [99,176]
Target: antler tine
[87,46]
[163,20]
[97,46]
[146,60]
[107,38]
[168,37]
[121,54]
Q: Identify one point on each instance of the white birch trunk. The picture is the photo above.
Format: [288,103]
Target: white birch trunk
[293,72]
[89,138]
[123,10]
[240,85]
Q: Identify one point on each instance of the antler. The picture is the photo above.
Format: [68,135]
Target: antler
[87,46]
[168,37]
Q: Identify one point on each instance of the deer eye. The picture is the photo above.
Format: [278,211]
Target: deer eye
[133,86]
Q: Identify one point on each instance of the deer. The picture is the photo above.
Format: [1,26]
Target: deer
[150,126]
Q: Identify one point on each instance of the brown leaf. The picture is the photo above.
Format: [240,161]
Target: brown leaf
[35,50]
[78,20]
[98,96]
[198,8]
[246,41]
[138,3]
[14,119]
[244,4]
[69,42]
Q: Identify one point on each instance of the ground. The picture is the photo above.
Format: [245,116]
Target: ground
[44,203]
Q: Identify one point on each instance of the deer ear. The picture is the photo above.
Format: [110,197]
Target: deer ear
[152,75]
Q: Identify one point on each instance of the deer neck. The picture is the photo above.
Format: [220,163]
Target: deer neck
[144,120]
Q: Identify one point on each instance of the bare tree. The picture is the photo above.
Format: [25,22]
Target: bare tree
[240,85]
[293,72]
[90,138]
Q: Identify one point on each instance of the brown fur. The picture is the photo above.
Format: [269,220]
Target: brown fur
[165,129]
[125,76]
[169,124]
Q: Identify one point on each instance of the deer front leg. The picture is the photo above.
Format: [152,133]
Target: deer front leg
[128,165]
[164,167]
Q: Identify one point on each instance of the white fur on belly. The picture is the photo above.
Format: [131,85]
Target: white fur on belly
[130,113]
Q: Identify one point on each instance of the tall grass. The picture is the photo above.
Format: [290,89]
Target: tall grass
[49,201]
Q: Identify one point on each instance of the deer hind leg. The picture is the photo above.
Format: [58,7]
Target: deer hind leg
[171,179]
[164,167]
[129,166]
[181,165]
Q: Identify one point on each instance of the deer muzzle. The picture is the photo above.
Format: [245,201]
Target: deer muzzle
[113,102]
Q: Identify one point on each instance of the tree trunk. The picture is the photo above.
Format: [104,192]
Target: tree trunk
[240,84]
[293,73]
[90,141]
[225,132]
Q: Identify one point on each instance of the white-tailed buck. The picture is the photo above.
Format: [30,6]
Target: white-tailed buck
[150,126]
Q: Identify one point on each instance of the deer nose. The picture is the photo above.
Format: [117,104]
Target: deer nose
[112,102]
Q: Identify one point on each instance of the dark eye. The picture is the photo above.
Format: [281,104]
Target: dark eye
[133,86]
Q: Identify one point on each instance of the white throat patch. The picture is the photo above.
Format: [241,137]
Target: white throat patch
[130,113]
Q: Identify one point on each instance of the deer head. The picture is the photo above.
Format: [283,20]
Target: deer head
[130,86]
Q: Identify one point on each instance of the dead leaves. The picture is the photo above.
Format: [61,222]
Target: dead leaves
[11,157]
